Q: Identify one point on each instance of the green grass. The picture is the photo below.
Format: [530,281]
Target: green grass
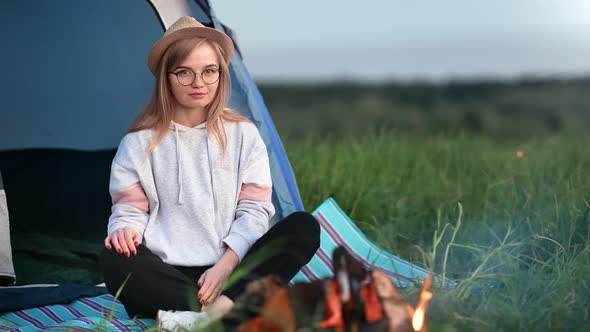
[522,251]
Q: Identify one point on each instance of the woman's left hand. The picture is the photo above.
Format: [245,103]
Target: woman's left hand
[211,281]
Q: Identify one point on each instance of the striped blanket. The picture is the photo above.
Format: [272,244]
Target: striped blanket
[103,313]
[338,229]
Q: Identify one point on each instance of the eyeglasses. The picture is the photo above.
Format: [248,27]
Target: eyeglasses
[187,76]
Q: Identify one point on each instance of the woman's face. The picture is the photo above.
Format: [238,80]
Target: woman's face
[195,95]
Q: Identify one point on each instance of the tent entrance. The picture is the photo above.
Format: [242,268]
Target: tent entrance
[59,205]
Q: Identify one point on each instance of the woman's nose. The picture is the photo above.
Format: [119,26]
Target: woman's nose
[198,82]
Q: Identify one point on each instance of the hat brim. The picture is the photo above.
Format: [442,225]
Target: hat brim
[162,45]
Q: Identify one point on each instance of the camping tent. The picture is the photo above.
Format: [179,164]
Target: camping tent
[74,77]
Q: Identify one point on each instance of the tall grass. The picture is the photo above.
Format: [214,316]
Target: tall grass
[522,251]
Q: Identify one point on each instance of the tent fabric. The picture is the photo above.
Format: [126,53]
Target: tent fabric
[76,71]
[98,313]
[7,275]
[337,229]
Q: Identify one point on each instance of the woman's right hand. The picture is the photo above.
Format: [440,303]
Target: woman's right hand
[125,240]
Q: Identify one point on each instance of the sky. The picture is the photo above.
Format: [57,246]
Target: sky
[381,40]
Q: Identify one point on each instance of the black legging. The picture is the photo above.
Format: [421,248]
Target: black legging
[154,285]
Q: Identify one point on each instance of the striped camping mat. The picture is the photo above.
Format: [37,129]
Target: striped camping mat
[100,313]
[337,229]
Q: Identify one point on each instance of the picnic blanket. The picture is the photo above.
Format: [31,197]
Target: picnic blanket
[101,312]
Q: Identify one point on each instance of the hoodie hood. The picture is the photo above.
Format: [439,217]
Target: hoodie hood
[184,129]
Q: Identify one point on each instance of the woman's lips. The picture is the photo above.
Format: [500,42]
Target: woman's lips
[198,95]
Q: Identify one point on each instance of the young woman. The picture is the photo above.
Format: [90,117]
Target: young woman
[191,192]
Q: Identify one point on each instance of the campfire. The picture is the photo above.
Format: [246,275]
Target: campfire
[355,299]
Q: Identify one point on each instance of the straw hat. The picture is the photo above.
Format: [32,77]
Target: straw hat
[187,26]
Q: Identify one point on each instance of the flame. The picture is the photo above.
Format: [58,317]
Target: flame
[420,311]
[418,319]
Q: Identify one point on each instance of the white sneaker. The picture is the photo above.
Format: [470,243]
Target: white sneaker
[175,321]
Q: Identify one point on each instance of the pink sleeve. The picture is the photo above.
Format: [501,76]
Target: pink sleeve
[255,192]
[133,196]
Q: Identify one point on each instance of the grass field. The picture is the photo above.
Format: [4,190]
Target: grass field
[516,229]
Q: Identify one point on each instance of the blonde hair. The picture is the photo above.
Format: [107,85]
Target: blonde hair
[159,112]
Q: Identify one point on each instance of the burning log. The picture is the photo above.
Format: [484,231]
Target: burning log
[353,300]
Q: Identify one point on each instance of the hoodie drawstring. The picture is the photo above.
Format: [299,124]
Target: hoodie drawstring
[213,192]
[180,197]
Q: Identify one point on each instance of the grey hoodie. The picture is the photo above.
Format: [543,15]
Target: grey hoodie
[189,202]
